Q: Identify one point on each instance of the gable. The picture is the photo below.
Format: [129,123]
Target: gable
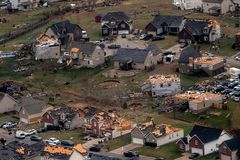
[196,142]
[150,138]
[150,27]
[137,133]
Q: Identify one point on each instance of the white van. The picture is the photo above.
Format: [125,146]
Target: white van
[20,134]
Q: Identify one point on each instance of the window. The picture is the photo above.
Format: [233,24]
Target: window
[94,124]
[123,25]
[169,84]
[47,116]
[196,142]
[161,85]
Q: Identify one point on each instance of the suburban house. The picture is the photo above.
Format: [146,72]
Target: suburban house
[192,61]
[199,102]
[64,117]
[155,135]
[187,4]
[114,23]
[65,32]
[19,5]
[8,103]
[217,7]
[164,24]
[203,140]
[161,85]
[78,152]
[134,58]
[46,47]
[201,31]
[31,110]
[86,54]
[229,148]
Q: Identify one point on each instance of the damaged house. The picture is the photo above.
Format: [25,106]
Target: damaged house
[47,47]
[64,117]
[65,32]
[8,103]
[154,135]
[20,5]
[217,7]
[192,61]
[199,102]
[161,85]
[114,23]
[165,24]
[199,31]
[85,54]
[139,59]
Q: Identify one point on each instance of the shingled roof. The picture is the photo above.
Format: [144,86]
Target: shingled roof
[159,20]
[196,27]
[85,47]
[66,26]
[233,144]
[187,53]
[32,106]
[119,16]
[206,134]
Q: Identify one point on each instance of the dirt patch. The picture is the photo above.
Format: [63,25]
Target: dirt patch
[108,84]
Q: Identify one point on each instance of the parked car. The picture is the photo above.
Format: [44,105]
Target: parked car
[123,35]
[67,143]
[237,58]
[30,132]
[194,156]
[20,134]
[95,149]
[142,36]
[114,46]
[131,154]
[9,125]
[53,141]
[36,138]
[157,38]
[2,124]
[39,130]
[147,37]
[183,43]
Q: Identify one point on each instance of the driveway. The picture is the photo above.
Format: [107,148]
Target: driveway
[184,157]
[90,143]
[130,147]
[175,49]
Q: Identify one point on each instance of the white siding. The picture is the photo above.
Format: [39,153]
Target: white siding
[137,141]
[170,138]
[24,120]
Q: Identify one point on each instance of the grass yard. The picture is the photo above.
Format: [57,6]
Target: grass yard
[168,151]
[167,43]
[117,142]
[235,110]
[8,117]
[75,135]
[188,80]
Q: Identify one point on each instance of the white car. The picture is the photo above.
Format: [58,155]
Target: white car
[237,58]
[53,141]
[30,132]
[142,36]
[20,134]
[236,99]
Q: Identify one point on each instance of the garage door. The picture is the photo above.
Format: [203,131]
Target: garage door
[137,141]
[123,32]
[197,150]
[225,157]
[24,120]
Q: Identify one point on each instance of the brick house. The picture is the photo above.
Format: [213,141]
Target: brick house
[203,140]
[64,117]
[228,149]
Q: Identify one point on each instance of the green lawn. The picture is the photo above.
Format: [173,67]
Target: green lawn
[234,108]
[5,117]
[188,80]
[167,43]
[117,142]
[167,151]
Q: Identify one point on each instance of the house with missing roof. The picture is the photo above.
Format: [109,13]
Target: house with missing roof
[203,140]
[165,24]
[139,59]
[192,61]
[31,110]
[101,123]
[187,4]
[201,31]
[199,102]
[229,148]
[20,5]
[217,7]
[161,85]
[65,32]
[8,103]
[46,47]
[85,54]
[64,117]
[115,23]
[154,135]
